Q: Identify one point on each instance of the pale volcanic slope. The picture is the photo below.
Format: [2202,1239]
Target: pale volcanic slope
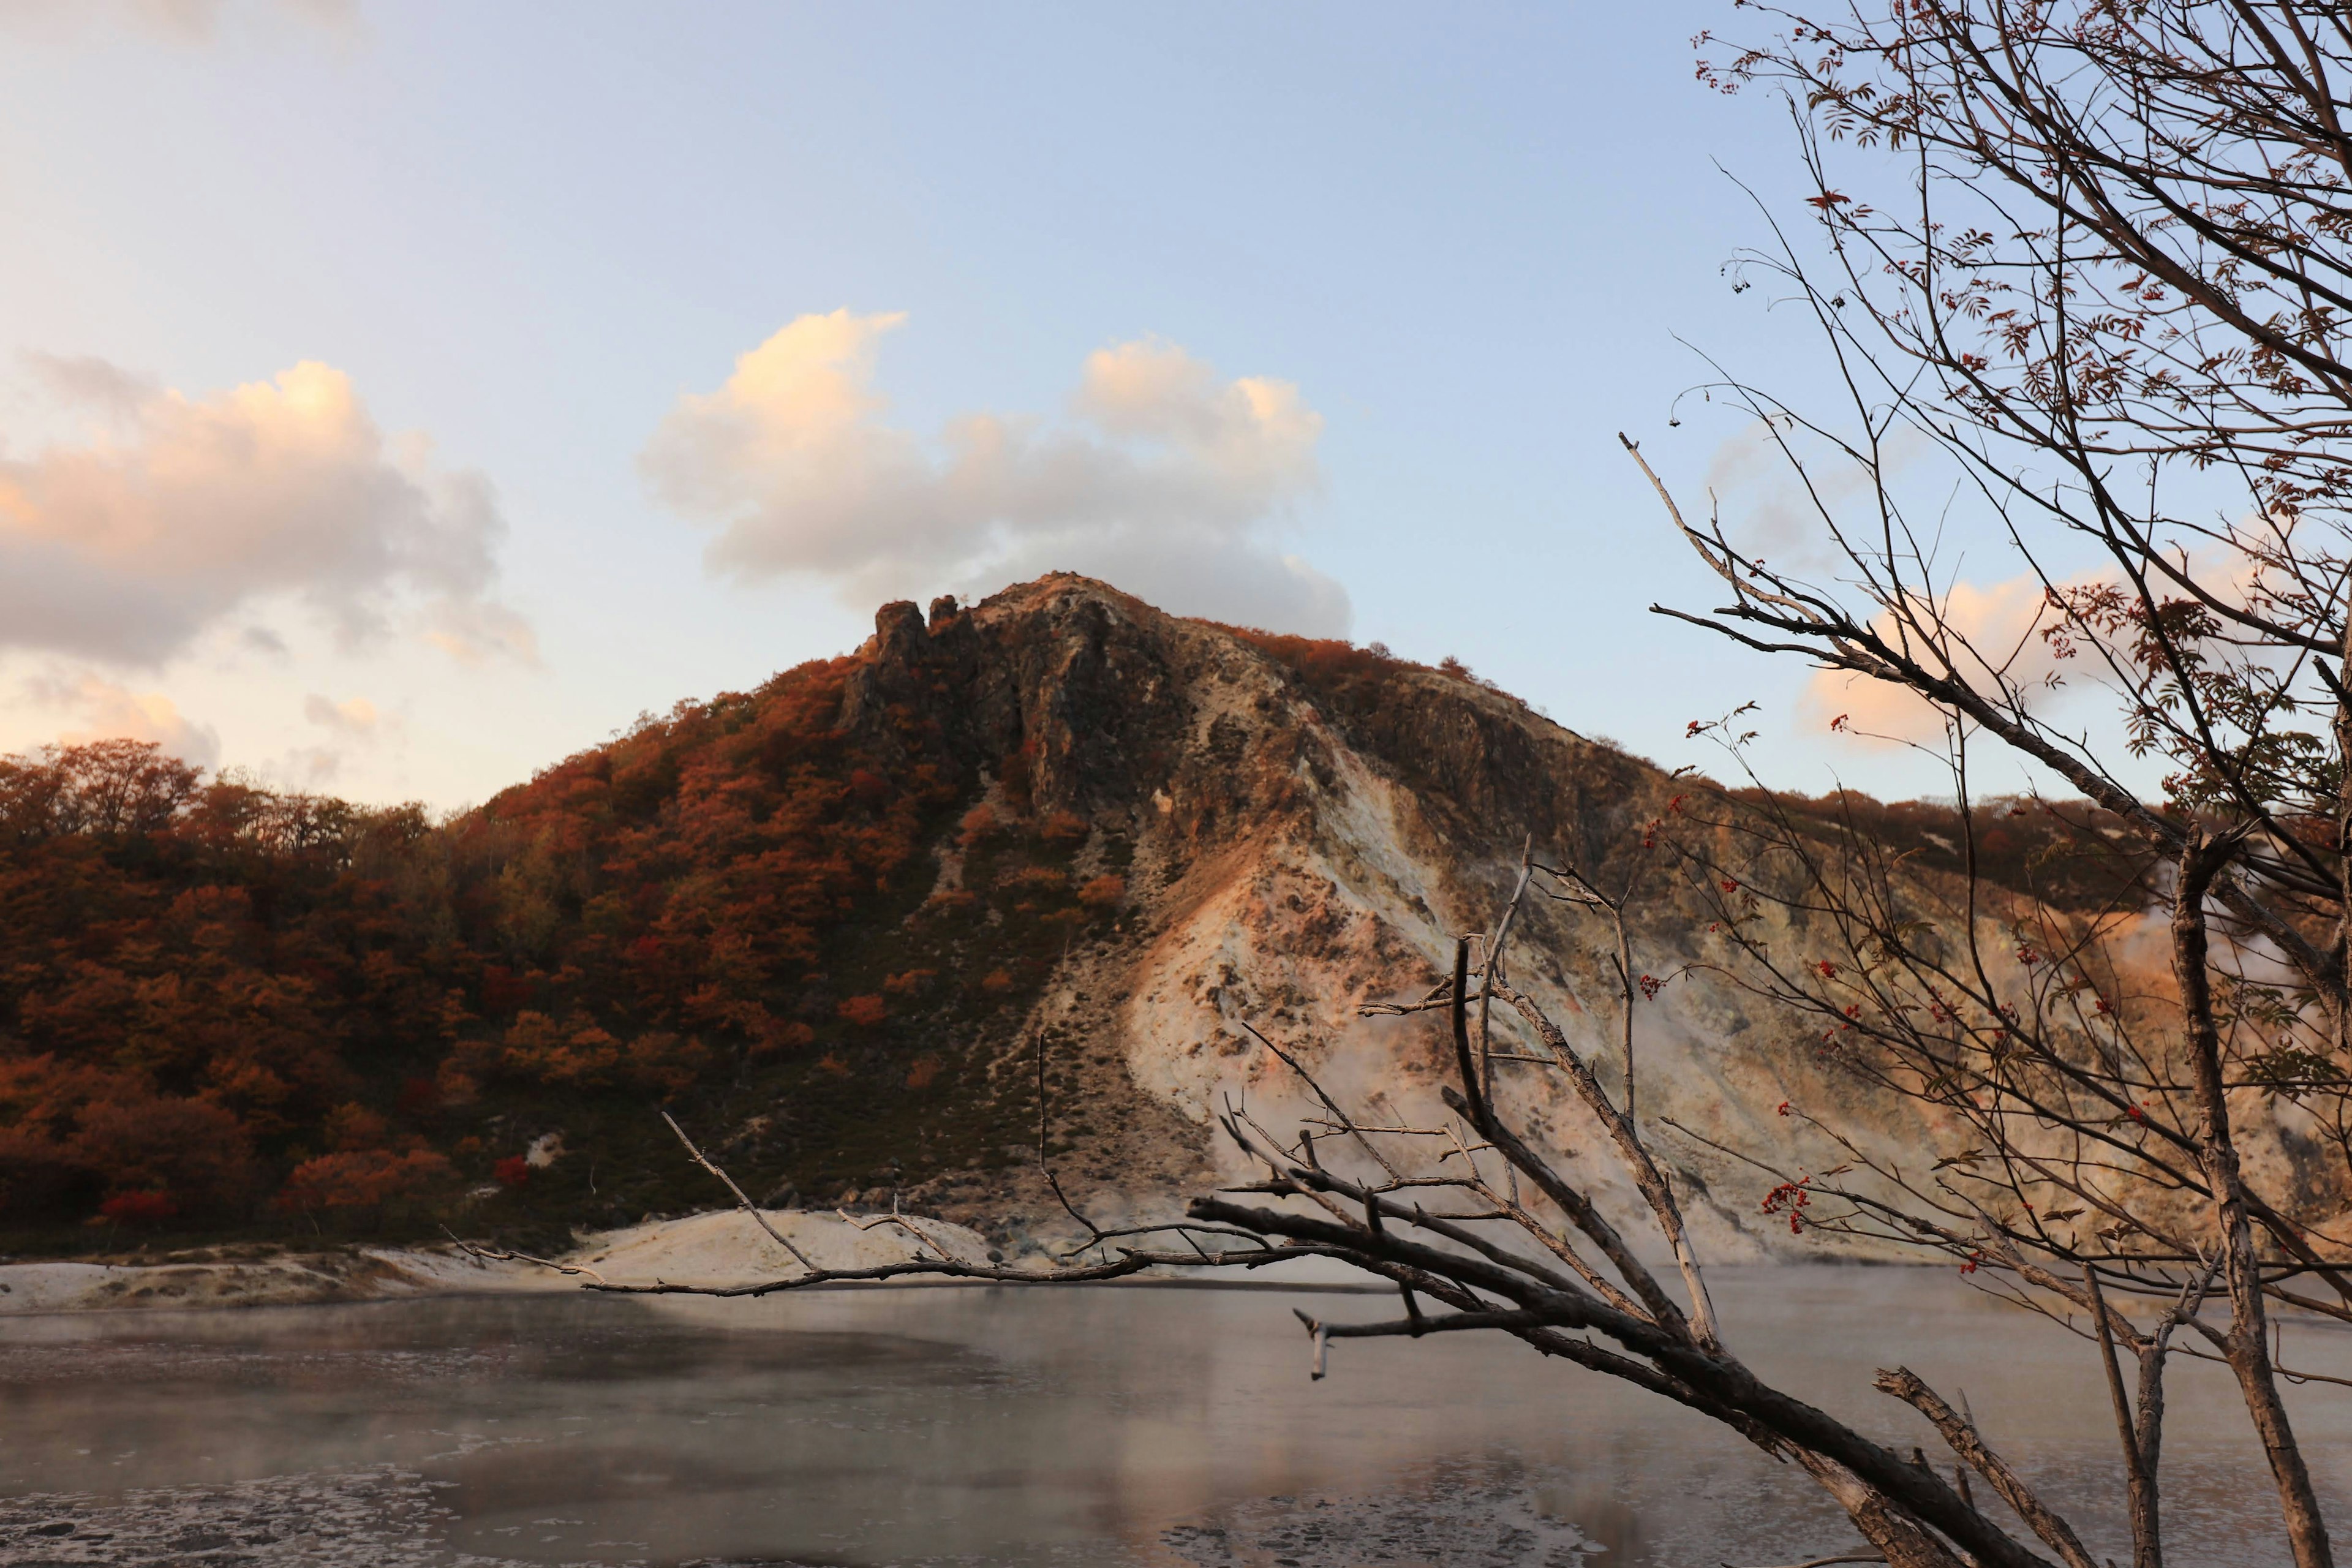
[1288,866]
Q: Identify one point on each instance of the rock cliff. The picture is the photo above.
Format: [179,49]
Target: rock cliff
[1303,830]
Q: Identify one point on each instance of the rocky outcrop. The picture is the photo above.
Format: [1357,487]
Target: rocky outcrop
[1291,856]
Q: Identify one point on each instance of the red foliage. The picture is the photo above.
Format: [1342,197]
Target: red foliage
[787,1035]
[364,1179]
[864,1012]
[216,992]
[1034,880]
[511,1172]
[504,990]
[141,1209]
[354,1126]
[68,1129]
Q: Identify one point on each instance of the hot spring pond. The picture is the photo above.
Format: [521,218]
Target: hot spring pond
[994,1425]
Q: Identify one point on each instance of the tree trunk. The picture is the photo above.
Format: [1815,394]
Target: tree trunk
[2247,1345]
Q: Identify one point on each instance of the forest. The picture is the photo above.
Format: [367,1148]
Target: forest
[225,1010]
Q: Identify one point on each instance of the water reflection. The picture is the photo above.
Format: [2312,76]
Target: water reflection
[987,1425]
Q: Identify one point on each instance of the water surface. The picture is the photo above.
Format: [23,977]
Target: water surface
[993,1426]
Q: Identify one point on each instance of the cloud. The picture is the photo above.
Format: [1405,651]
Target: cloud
[475,632]
[106,711]
[355,716]
[1167,478]
[351,725]
[1774,512]
[179,21]
[86,381]
[1184,573]
[2001,623]
[174,513]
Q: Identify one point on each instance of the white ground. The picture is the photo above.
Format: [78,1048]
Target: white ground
[718,1248]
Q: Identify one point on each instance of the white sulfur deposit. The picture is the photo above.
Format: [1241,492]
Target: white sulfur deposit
[725,1248]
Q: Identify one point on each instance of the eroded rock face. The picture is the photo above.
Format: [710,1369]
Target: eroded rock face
[1289,858]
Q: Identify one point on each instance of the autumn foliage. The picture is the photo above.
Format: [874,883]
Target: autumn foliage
[225,1008]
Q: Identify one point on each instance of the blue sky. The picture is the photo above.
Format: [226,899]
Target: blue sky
[1320,312]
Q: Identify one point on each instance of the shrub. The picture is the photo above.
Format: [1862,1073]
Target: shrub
[140,1209]
[195,1150]
[364,1179]
[791,1035]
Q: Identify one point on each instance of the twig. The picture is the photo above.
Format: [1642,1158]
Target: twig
[740,1198]
[497,1257]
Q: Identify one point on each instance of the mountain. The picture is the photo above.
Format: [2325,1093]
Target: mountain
[845,927]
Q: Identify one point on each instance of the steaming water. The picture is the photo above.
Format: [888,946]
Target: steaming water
[1113,1425]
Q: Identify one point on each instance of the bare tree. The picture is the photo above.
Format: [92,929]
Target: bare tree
[2109,293]
[2112,295]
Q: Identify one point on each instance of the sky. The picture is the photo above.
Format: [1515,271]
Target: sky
[395,398]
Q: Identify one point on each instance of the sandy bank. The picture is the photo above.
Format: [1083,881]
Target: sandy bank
[718,1248]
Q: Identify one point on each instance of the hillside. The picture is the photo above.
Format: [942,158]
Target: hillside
[833,923]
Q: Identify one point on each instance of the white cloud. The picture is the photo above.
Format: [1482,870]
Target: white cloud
[103,711]
[1168,480]
[174,513]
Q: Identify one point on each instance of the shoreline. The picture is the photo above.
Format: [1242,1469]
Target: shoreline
[718,1248]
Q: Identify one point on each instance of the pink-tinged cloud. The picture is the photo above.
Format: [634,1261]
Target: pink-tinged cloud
[1167,478]
[97,708]
[2001,627]
[175,513]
